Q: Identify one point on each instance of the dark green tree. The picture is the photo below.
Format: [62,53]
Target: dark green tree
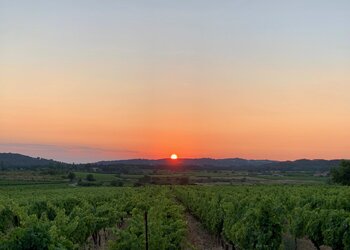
[90,177]
[341,174]
[71,176]
[117,183]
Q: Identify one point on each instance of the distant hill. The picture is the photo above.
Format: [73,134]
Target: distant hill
[231,164]
[304,165]
[12,160]
[200,162]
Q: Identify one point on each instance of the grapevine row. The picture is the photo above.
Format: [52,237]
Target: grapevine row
[257,217]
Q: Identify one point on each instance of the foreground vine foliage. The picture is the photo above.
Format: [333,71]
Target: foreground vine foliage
[257,217]
[66,218]
[248,217]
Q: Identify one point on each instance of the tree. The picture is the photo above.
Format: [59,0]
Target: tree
[341,174]
[71,176]
[117,183]
[90,177]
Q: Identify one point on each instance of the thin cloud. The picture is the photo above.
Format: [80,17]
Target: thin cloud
[70,153]
[64,147]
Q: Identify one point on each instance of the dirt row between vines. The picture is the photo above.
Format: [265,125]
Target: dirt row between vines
[198,237]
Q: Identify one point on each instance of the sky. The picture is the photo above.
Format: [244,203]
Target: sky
[83,80]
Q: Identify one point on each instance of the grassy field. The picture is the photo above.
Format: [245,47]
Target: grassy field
[98,176]
[25,177]
[30,178]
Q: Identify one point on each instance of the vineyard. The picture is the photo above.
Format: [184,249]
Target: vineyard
[258,217]
[243,217]
[67,218]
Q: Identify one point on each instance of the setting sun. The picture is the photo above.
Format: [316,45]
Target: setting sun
[173,156]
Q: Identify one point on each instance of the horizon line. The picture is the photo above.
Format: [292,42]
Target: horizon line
[185,158]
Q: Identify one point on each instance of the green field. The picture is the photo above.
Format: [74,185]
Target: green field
[195,177]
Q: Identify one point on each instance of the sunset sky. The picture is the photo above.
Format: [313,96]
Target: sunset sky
[83,81]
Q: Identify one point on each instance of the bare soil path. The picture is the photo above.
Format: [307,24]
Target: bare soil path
[198,237]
